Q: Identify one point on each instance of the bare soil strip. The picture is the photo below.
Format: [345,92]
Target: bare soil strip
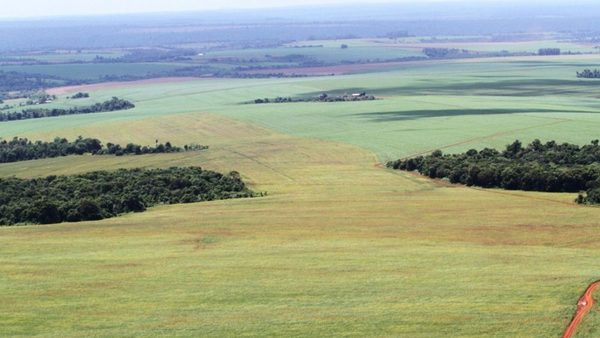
[117,84]
[584,305]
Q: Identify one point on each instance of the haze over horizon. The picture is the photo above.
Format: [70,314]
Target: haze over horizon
[42,8]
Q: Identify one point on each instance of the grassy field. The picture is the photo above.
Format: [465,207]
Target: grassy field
[423,106]
[339,246]
[330,51]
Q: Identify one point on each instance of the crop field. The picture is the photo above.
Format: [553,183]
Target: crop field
[327,52]
[339,246]
[422,107]
[513,47]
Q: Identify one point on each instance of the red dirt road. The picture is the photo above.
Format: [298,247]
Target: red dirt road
[585,304]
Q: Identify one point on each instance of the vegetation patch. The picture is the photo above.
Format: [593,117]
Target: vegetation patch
[589,74]
[104,194]
[113,104]
[80,95]
[363,96]
[549,167]
[22,149]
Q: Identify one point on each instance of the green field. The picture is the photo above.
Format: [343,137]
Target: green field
[329,53]
[340,246]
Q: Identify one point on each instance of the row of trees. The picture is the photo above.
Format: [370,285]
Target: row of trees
[589,74]
[549,51]
[441,53]
[104,194]
[321,98]
[22,149]
[113,104]
[80,95]
[550,167]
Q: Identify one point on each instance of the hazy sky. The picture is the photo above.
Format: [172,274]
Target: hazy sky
[37,8]
[33,8]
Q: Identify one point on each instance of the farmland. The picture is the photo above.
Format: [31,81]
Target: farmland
[442,99]
[339,246]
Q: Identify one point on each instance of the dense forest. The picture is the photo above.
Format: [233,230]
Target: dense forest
[321,98]
[113,104]
[14,81]
[589,74]
[550,167]
[104,194]
[22,149]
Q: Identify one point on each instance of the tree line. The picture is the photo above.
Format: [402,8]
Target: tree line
[589,74]
[321,98]
[549,167]
[113,104]
[15,81]
[104,194]
[22,149]
[549,51]
[80,95]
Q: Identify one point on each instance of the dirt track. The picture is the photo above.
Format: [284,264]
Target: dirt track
[585,304]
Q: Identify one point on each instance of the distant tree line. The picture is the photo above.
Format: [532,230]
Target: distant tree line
[22,149]
[443,53]
[16,82]
[150,55]
[113,104]
[550,167]
[321,98]
[589,74]
[549,51]
[104,194]
[80,95]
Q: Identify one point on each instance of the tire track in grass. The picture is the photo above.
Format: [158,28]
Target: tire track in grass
[486,137]
[584,305]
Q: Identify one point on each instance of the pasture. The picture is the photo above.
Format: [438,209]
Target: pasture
[340,246]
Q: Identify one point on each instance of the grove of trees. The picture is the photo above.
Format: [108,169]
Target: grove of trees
[589,74]
[549,166]
[113,104]
[22,149]
[104,194]
[80,95]
[549,51]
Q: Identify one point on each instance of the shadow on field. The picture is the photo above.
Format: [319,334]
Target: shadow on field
[421,114]
[513,87]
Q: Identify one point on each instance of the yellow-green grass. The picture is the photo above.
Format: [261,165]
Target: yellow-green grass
[339,247]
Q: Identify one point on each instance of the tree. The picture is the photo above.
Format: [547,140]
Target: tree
[133,204]
[88,210]
[47,213]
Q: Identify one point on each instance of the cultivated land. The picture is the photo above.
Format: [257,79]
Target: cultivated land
[340,246]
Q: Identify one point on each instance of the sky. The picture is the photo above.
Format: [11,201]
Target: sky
[44,8]
[36,8]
